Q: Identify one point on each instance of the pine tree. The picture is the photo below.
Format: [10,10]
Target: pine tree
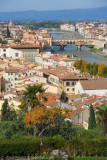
[8,32]
[91,120]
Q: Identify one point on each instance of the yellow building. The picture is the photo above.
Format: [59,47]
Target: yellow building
[29,51]
[27,35]
[43,31]
[67,85]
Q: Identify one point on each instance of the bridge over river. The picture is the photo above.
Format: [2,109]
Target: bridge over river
[79,42]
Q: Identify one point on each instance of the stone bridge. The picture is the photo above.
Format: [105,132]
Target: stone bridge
[79,42]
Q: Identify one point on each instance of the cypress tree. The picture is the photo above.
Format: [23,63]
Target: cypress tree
[8,32]
[91,120]
[5,111]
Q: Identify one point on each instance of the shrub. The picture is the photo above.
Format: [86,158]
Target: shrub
[31,146]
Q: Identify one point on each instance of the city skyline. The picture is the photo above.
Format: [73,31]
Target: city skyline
[41,5]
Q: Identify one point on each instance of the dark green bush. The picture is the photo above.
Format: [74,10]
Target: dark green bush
[31,146]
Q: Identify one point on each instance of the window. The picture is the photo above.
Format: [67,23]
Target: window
[67,89]
[16,54]
[73,83]
[8,73]
[4,50]
[73,89]
[67,83]
[11,73]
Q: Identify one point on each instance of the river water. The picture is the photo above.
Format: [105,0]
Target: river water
[85,52]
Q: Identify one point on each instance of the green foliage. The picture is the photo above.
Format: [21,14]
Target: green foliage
[43,24]
[31,146]
[78,64]
[104,72]
[14,128]
[17,40]
[31,27]
[91,120]
[3,41]
[19,147]
[32,96]
[43,49]
[102,116]
[6,113]
[62,128]
[86,158]
[93,69]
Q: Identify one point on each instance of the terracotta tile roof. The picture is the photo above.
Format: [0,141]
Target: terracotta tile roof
[74,113]
[25,46]
[6,93]
[94,84]
[51,99]
[73,97]
[12,70]
[78,104]
[73,76]
[90,101]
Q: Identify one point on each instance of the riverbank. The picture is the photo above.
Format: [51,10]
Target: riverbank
[97,51]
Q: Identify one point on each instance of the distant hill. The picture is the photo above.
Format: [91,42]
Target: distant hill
[74,14]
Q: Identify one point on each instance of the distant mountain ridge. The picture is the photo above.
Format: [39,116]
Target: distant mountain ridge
[74,14]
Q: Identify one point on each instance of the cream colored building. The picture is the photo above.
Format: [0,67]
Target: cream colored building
[47,40]
[67,85]
[27,52]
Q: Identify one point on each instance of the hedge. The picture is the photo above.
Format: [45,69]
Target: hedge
[31,147]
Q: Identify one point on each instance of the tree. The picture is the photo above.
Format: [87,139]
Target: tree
[7,114]
[32,96]
[95,68]
[78,64]
[14,128]
[8,32]
[88,67]
[5,111]
[91,120]
[104,71]
[3,41]
[44,117]
[100,69]
[17,40]
[83,66]
[102,116]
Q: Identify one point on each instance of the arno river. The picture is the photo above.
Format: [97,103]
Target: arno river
[85,53]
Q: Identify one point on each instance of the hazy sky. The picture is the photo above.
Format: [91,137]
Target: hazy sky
[23,5]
